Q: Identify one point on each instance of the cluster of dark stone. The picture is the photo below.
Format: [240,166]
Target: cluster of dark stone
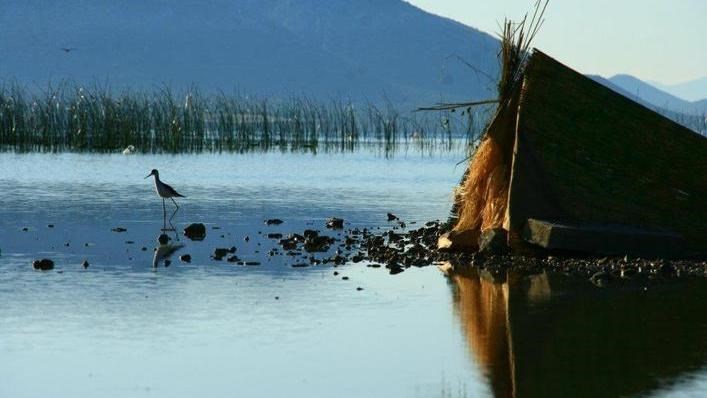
[44,264]
[220,253]
[196,231]
[617,270]
[303,245]
[397,248]
[311,241]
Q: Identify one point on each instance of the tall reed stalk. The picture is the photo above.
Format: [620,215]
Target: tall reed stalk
[95,118]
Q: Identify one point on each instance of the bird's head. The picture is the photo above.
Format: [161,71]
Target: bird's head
[154,172]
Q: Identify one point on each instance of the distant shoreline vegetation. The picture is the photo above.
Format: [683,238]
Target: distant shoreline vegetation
[71,117]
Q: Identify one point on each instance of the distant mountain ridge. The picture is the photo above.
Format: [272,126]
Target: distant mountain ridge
[692,115]
[693,90]
[637,88]
[358,49]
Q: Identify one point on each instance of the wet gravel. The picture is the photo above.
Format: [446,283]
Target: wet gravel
[418,248]
[398,248]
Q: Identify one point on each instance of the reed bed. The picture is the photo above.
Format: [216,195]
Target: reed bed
[69,117]
[694,121]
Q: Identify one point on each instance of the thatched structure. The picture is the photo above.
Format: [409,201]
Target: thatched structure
[568,164]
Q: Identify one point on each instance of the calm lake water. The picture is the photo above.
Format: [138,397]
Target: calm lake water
[123,328]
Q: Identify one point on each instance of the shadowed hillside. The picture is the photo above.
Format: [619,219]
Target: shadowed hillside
[360,49]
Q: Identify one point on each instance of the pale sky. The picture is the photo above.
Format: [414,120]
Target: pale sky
[654,40]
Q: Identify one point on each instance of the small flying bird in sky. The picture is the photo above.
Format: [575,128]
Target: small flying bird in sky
[67,49]
[165,191]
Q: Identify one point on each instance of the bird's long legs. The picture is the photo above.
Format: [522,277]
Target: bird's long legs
[175,210]
[164,215]
[173,214]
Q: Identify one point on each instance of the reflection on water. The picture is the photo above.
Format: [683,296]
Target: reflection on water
[551,336]
[165,250]
[122,328]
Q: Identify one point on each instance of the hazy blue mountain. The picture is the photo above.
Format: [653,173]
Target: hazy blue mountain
[637,88]
[686,113]
[693,90]
[358,49]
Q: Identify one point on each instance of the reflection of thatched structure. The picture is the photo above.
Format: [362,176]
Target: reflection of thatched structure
[576,340]
[481,307]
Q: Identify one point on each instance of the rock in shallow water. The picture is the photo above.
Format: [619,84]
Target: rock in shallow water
[394,268]
[494,241]
[195,231]
[223,252]
[317,243]
[310,233]
[44,264]
[335,223]
[465,241]
[163,239]
[273,221]
[288,244]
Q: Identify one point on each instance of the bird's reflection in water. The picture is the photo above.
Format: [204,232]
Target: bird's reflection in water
[165,250]
[551,336]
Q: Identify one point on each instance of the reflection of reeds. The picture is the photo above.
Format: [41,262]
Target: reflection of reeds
[70,117]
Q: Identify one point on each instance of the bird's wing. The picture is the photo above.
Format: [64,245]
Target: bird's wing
[172,191]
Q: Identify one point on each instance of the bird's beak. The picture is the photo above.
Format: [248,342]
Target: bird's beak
[148,176]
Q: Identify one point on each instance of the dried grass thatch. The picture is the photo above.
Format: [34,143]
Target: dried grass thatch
[483,195]
[482,198]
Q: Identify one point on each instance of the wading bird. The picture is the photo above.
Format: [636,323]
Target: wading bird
[129,150]
[165,191]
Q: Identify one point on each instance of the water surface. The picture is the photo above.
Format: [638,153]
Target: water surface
[121,328]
